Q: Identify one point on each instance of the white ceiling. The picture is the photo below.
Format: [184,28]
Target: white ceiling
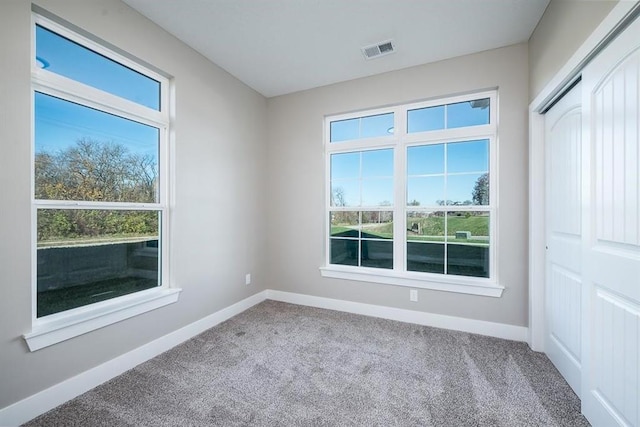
[283,46]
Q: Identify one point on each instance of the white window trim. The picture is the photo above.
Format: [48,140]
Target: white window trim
[400,140]
[58,327]
[68,324]
[412,280]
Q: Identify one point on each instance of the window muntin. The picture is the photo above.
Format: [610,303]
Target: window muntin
[432,181]
[70,59]
[100,174]
[455,232]
[361,127]
[363,178]
[442,177]
[362,238]
[449,116]
[444,224]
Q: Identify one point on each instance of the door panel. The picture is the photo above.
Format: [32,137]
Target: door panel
[611,241]
[615,353]
[563,287]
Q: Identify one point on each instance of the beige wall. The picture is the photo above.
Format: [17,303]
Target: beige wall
[217,234]
[242,208]
[565,25]
[296,181]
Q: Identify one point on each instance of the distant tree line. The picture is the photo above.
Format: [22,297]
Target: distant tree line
[479,196]
[95,171]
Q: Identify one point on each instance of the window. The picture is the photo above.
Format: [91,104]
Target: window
[411,197]
[100,180]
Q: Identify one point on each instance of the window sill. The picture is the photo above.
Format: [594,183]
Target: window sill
[63,326]
[460,285]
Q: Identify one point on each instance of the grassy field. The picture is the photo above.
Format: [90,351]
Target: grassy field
[425,229]
[434,226]
[96,240]
[450,239]
[373,231]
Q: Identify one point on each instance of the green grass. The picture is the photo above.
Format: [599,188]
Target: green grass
[103,239]
[382,231]
[450,239]
[431,229]
[477,225]
[435,225]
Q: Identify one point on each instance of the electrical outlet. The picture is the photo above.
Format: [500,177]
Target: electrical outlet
[413,295]
[247,279]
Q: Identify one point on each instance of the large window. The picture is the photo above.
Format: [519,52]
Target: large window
[410,194]
[100,173]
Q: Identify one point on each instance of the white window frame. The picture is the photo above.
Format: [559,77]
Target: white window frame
[400,140]
[54,328]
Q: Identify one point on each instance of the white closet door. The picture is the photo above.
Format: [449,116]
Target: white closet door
[563,285]
[611,227]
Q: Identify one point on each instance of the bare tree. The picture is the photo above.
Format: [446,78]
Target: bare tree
[95,171]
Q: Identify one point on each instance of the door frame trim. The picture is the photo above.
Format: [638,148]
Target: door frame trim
[611,25]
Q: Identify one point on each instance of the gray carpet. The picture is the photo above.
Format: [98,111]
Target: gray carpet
[279,364]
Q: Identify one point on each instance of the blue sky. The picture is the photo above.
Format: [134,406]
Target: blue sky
[466,162]
[448,116]
[59,124]
[62,56]
[365,177]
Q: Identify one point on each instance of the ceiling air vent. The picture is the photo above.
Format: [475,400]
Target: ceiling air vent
[379,49]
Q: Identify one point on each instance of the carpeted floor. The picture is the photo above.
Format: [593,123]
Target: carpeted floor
[279,364]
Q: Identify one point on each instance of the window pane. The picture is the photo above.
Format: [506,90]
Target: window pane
[362,127]
[344,130]
[425,160]
[425,257]
[468,189]
[66,58]
[468,113]
[425,226]
[425,119]
[345,192]
[379,125]
[468,260]
[377,192]
[377,163]
[87,256]
[85,154]
[345,224]
[425,191]
[345,165]
[377,254]
[344,251]
[468,227]
[377,225]
[471,156]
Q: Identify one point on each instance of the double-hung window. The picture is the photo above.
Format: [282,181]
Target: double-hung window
[100,183]
[411,195]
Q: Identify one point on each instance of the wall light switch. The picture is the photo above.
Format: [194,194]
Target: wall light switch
[247,279]
[413,295]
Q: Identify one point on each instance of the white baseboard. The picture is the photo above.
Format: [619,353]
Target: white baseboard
[498,330]
[39,403]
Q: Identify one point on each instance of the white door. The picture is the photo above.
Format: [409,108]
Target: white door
[563,285]
[611,234]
